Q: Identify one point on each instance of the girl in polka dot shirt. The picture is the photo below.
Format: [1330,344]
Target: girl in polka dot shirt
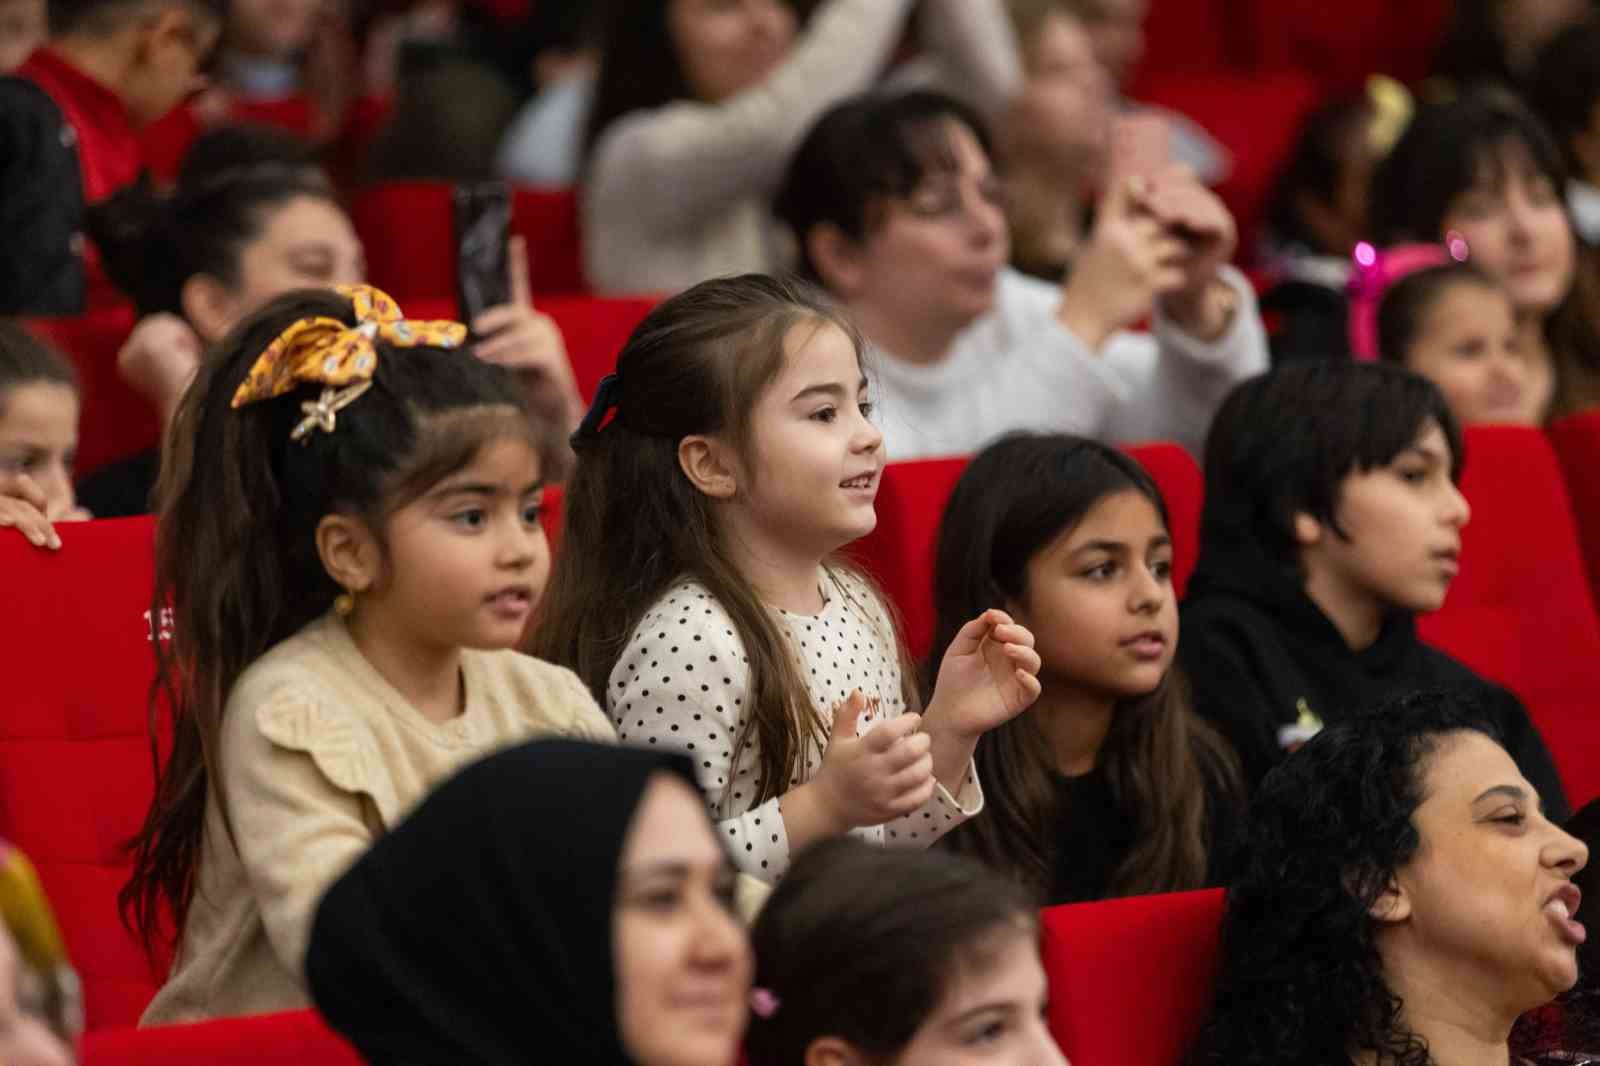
[698,593]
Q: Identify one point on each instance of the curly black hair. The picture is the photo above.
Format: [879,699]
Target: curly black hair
[1300,977]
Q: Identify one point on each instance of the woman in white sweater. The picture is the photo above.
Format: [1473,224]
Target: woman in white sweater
[898,212]
[700,103]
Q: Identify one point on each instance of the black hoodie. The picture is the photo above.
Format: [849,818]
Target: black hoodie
[1266,665]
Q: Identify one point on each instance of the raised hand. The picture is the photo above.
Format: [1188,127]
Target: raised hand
[989,675]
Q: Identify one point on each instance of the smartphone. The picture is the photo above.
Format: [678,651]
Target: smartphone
[482,229]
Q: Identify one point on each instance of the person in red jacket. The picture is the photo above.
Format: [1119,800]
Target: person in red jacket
[67,122]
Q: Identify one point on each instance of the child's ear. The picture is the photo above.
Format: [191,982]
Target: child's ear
[708,466]
[208,305]
[837,258]
[1307,530]
[349,552]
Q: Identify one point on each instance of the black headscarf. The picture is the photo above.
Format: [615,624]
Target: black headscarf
[478,932]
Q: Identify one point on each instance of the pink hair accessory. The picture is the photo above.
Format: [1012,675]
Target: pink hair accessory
[764,1002]
[1376,270]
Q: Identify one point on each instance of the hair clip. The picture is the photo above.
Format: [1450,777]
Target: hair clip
[605,398]
[323,412]
[764,1002]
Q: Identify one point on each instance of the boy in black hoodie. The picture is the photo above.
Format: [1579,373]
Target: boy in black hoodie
[1331,518]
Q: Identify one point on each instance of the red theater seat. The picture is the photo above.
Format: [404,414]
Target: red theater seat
[116,422]
[1341,44]
[75,769]
[1131,979]
[911,502]
[1577,443]
[1520,612]
[299,1037]
[408,232]
[594,328]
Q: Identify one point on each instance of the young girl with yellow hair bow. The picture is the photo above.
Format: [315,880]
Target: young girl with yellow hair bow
[349,540]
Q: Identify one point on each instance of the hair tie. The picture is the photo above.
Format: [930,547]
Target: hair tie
[1392,107]
[764,1002]
[339,357]
[606,397]
[1376,270]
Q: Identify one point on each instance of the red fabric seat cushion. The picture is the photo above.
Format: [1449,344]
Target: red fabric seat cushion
[299,1037]
[1131,979]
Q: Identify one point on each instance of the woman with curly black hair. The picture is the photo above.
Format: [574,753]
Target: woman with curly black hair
[1401,899]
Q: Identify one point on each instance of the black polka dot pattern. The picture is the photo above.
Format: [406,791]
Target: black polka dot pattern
[686,652]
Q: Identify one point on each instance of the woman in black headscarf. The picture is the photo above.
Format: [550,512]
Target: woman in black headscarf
[557,902]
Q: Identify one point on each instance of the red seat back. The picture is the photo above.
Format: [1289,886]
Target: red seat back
[1520,613]
[911,502]
[408,231]
[1340,45]
[594,328]
[300,1037]
[115,422]
[1131,979]
[75,769]
[1577,444]
[1183,488]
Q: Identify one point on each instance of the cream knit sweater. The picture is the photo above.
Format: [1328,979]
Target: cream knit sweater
[320,756]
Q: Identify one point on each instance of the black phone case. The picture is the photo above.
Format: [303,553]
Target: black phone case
[482,227]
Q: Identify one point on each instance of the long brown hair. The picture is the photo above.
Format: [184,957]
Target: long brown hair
[635,525]
[1162,761]
[236,559]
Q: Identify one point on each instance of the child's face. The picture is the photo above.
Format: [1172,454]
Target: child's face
[1467,345]
[728,46]
[22,29]
[172,48]
[1402,524]
[1100,601]
[811,476]
[39,439]
[1515,222]
[991,1014]
[466,562]
[682,957]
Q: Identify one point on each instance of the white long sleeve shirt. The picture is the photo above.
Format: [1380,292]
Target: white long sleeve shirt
[1019,368]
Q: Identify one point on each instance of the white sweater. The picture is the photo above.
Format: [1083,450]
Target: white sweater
[1019,368]
[682,681]
[678,194]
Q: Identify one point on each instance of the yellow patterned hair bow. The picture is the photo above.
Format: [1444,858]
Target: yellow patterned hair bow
[1392,106]
[341,358]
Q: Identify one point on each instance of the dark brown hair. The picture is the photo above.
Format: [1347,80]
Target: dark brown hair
[236,558]
[1164,764]
[861,943]
[1405,306]
[635,525]
[25,359]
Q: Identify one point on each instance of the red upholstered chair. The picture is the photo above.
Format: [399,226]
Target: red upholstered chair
[1577,444]
[1520,612]
[1131,979]
[408,232]
[1183,488]
[1255,116]
[911,502]
[115,422]
[594,328]
[899,552]
[299,1037]
[75,770]
[1341,44]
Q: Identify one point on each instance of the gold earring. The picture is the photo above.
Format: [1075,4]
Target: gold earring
[345,603]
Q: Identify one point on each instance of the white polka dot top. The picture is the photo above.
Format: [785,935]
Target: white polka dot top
[682,680]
